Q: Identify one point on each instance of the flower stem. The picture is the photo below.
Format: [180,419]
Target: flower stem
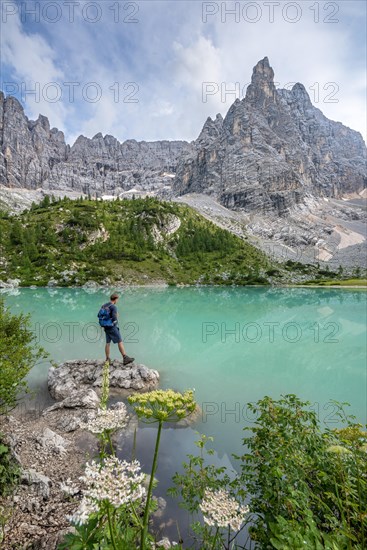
[110,442]
[360,499]
[133,454]
[136,516]
[110,526]
[144,531]
[215,538]
[102,441]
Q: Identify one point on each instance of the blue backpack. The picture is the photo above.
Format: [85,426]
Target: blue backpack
[104,316]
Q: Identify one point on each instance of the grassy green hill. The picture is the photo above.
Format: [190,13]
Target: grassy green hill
[132,241]
[138,241]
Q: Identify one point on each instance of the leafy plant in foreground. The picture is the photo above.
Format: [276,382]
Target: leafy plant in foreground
[211,493]
[307,487]
[160,406]
[9,471]
[116,506]
[18,354]
[300,475]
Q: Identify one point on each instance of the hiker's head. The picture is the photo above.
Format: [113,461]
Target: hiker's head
[114,297]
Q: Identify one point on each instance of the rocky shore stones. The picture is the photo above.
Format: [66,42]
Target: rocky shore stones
[76,383]
[41,482]
[52,441]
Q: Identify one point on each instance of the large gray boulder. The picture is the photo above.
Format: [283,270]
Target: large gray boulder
[52,441]
[82,398]
[41,482]
[76,383]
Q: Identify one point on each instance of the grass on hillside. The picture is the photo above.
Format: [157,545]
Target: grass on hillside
[142,241]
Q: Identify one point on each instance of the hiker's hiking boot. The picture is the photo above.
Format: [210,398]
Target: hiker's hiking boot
[128,360]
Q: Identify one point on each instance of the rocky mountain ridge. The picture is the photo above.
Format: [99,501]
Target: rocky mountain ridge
[33,156]
[272,150]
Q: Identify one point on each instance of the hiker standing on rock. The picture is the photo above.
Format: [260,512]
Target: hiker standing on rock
[107,316]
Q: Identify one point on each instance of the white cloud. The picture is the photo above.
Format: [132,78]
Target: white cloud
[34,66]
[163,108]
[171,52]
[197,62]
[318,55]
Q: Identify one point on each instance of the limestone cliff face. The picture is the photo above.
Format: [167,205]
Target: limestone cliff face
[104,165]
[29,149]
[34,156]
[272,150]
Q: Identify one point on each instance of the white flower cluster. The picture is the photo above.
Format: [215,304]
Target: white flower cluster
[221,510]
[106,419]
[118,482]
[81,515]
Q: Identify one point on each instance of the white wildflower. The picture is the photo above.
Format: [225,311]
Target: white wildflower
[221,510]
[106,419]
[81,515]
[114,481]
[69,488]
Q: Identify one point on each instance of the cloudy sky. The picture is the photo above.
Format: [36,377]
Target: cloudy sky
[157,69]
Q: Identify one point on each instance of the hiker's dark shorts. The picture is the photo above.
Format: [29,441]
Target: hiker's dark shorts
[113,334]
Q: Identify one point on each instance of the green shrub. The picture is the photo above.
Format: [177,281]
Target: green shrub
[300,475]
[9,471]
[18,354]
[273,273]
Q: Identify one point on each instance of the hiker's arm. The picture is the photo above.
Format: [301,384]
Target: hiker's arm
[113,310]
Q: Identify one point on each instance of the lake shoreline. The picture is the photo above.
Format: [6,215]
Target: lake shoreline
[164,286]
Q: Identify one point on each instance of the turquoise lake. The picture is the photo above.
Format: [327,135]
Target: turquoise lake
[232,345]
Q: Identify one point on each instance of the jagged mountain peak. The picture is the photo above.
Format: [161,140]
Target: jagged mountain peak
[12,103]
[211,128]
[43,122]
[263,67]
[80,140]
[272,151]
[301,94]
[262,90]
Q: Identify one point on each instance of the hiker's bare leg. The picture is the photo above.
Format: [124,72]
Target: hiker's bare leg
[107,351]
[122,349]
